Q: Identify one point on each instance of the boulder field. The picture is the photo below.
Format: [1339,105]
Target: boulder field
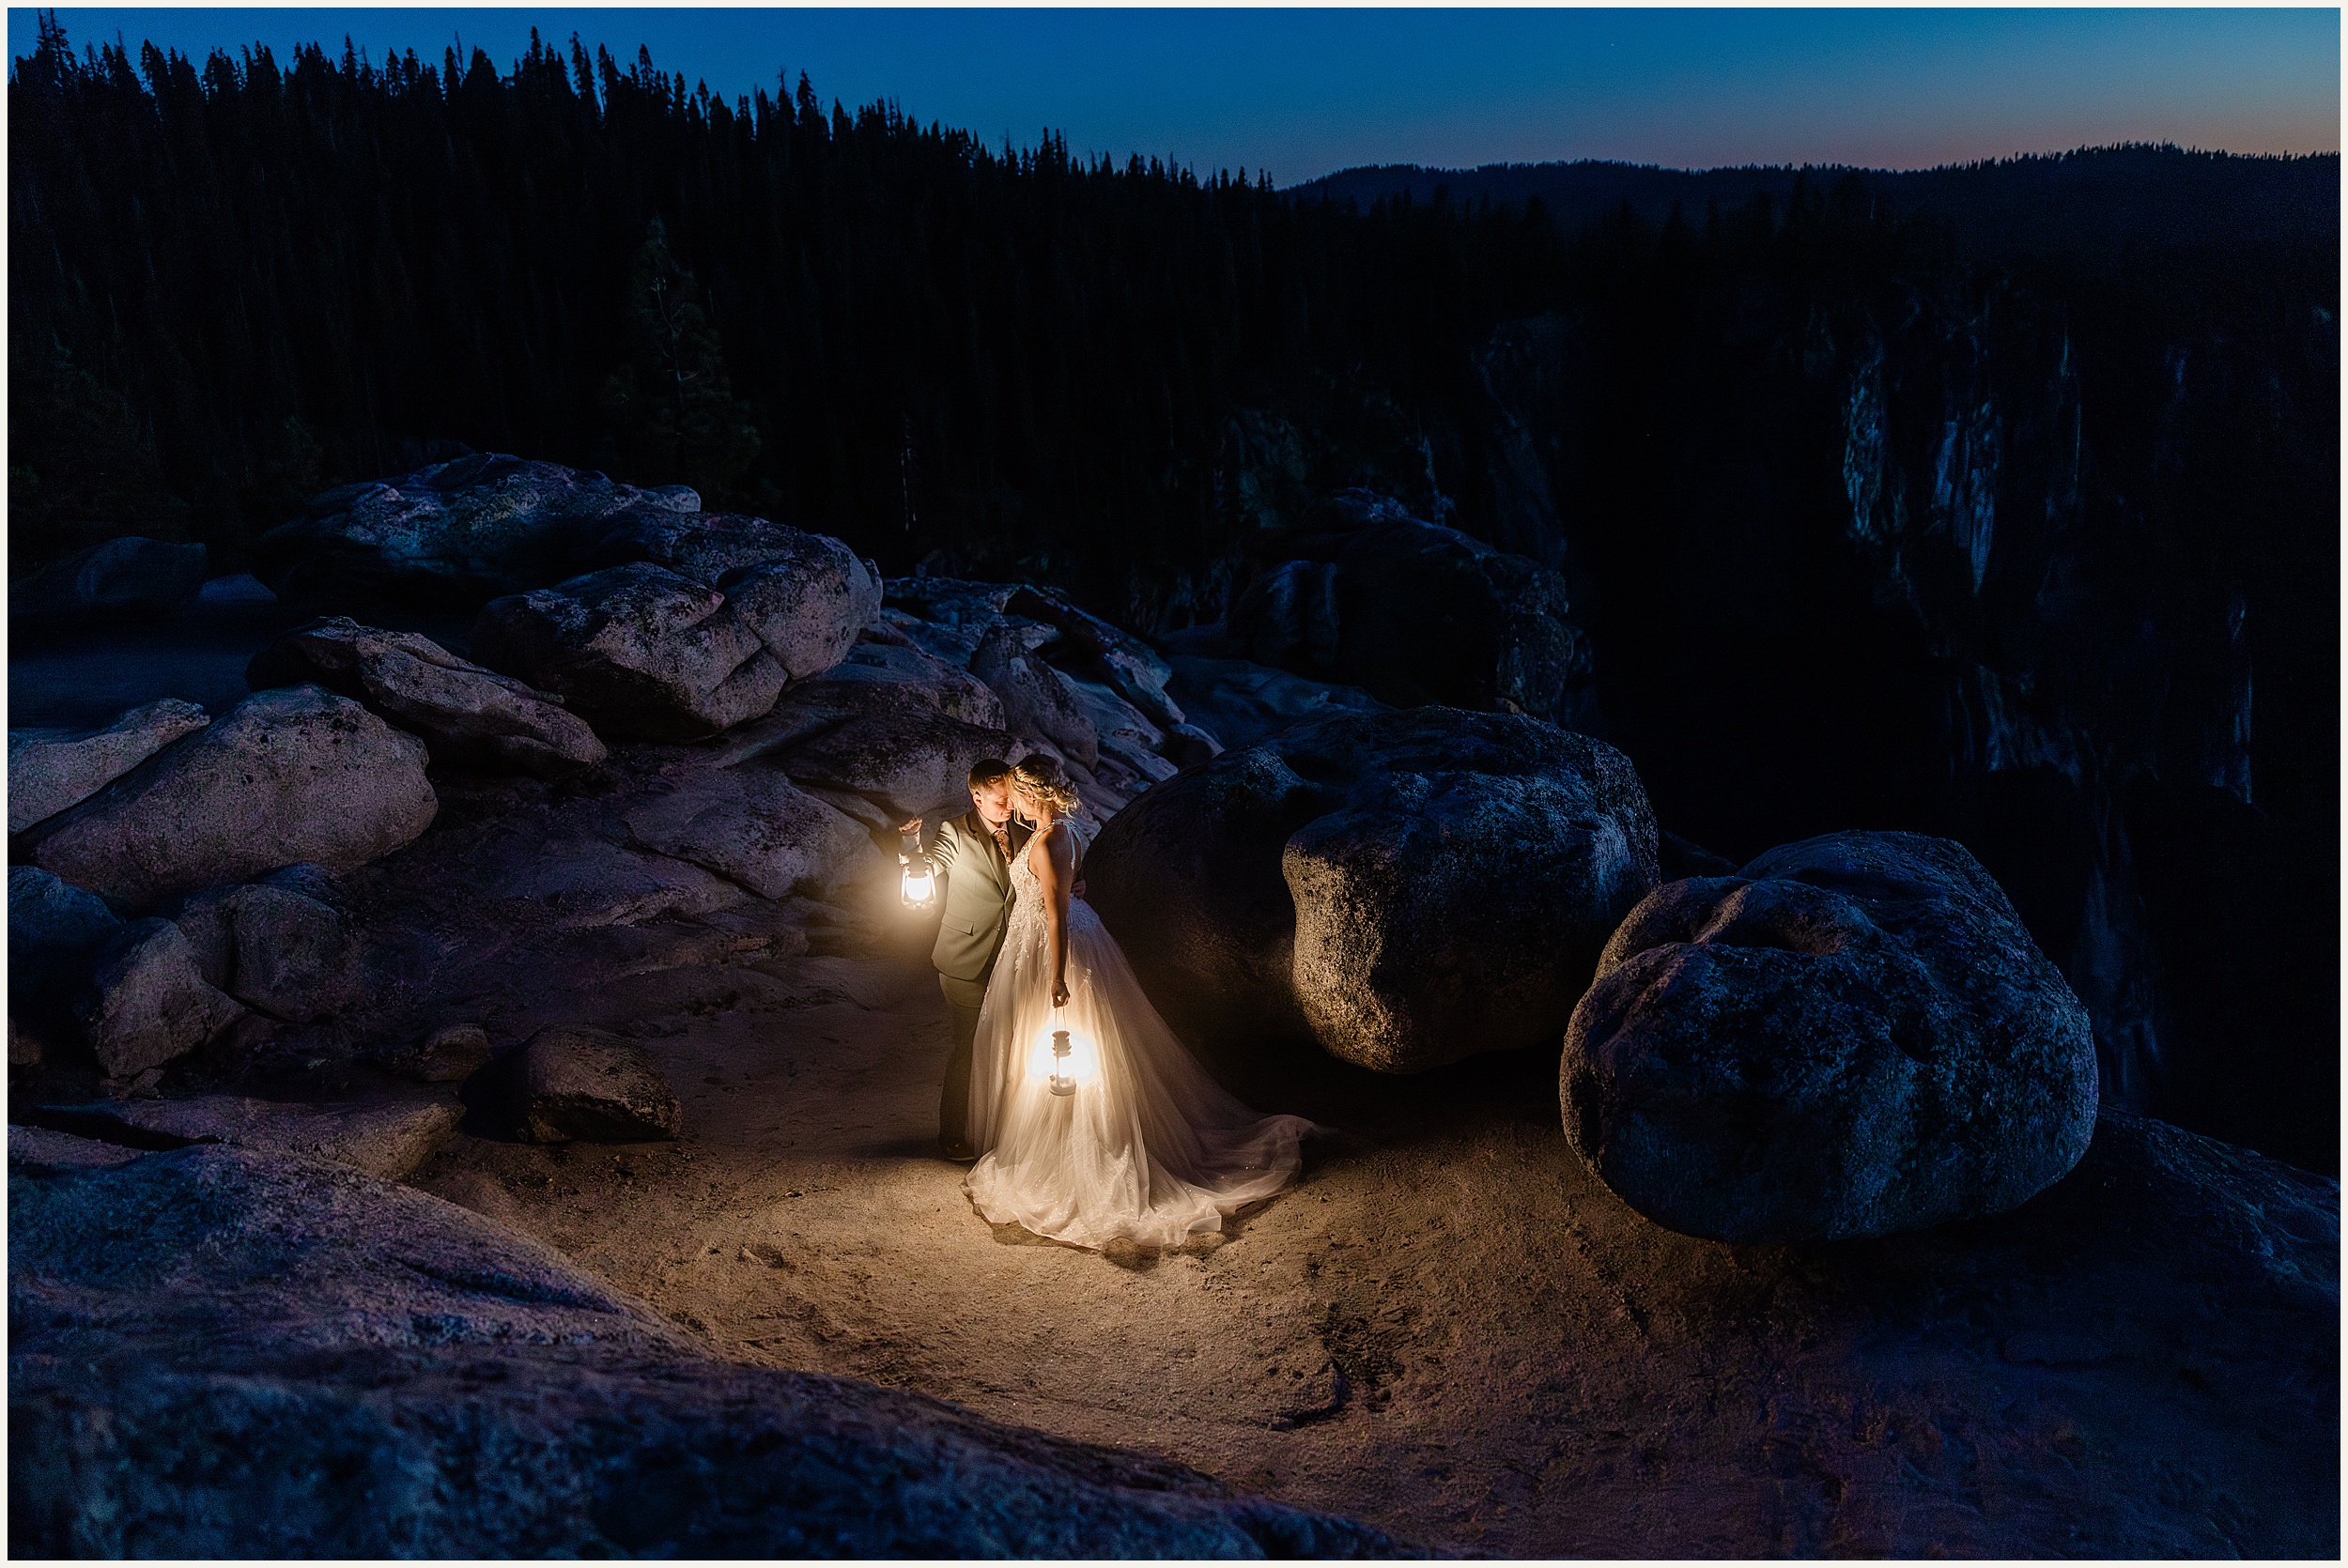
[782,721]
[513,1064]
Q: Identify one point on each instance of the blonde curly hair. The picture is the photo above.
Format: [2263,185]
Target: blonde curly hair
[1040,778]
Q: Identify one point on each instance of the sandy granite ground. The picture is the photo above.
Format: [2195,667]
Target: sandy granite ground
[1448,1327]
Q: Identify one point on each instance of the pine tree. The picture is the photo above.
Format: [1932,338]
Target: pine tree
[671,408]
[82,470]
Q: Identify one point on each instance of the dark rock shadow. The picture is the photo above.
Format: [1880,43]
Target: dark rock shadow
[1366,1110]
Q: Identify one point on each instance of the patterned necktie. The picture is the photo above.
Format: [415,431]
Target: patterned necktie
[1002,841]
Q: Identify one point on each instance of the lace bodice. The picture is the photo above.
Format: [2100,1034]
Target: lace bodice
[1028,905]
[1024,886]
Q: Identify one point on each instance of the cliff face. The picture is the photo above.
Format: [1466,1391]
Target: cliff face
[1952,558]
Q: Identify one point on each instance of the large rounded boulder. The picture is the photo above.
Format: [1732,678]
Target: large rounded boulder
[1406,889]
[273,948]
[696,642]
[1854,1036]
[1428,614]
[285,776]
[149,1003]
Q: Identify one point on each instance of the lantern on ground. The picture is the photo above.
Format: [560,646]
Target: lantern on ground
[919,887]
[1063,1080]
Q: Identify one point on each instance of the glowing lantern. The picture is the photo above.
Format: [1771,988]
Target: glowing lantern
[1064,1060]
[919,887]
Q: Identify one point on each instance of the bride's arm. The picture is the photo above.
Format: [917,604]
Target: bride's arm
[1053,876]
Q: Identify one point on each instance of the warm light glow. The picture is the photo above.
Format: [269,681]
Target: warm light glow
[1082,1063]
[921,888]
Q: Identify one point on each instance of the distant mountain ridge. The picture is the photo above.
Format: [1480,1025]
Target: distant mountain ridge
[2129,196]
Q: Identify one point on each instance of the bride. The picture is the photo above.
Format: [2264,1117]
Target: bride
[1120,1134]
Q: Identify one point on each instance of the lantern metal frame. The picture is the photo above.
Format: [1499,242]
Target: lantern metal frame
[1062,1082]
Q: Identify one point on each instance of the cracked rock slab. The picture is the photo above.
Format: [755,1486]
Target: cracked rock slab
[641,652]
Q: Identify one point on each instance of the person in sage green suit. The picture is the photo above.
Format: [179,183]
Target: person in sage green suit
[972,853]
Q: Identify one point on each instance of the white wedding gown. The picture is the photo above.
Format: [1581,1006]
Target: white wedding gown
[1148,1148]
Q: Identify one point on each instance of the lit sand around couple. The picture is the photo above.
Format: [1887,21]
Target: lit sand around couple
[1447,1329]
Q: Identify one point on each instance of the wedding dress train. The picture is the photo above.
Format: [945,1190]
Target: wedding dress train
[1148,1148]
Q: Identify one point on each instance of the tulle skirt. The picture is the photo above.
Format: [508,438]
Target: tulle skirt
[1148,1148]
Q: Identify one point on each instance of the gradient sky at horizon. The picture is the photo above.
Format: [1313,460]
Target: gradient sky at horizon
[1304,93]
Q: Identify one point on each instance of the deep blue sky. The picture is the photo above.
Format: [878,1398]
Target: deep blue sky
[1307,92]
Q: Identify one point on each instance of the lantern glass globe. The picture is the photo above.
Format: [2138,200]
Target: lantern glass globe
[1080,1064]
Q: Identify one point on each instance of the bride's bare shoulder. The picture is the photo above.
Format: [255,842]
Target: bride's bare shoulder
[1059,847]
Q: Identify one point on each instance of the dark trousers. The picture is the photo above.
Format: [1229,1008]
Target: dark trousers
[962,998]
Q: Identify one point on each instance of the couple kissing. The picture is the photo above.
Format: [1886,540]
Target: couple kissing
[1087,1120]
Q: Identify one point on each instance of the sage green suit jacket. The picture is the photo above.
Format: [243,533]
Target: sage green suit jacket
[977,894]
